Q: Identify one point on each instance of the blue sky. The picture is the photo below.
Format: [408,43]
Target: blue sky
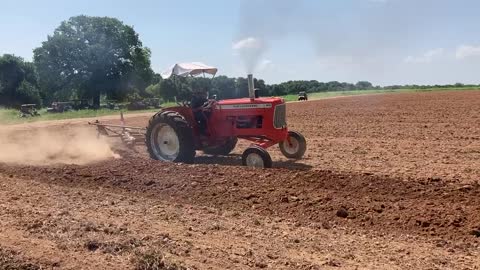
[383,41]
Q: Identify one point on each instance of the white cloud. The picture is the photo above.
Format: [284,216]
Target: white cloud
[466,51]
[265,64]
[427,57]
[249,43]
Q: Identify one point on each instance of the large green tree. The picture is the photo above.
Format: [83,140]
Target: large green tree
[90,56]
[224,87]
[363,85]
[18,82]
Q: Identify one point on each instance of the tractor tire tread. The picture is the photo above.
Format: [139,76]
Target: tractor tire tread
[267,159]
[303,146]
[182,128]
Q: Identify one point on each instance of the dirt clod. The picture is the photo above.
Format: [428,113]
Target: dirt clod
[475,232]
[92,245]
[342,212]
[425,224]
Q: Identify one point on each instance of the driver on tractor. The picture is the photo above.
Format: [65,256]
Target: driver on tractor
[198,101]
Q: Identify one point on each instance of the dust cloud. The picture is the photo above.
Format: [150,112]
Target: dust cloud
[55,145]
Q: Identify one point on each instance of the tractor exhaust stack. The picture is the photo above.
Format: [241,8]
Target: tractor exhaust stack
[251,87]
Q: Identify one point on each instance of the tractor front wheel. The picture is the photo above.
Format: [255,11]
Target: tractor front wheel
[257,157]
[169,137]
[295,145]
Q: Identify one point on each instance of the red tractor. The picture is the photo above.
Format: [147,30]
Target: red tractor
[173,133]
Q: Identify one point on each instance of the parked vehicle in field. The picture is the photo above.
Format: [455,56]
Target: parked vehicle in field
[28,110]
[111,105]
[302,96]
[81,104]
[144,104]
[153,103]
[60,107]
[137,105]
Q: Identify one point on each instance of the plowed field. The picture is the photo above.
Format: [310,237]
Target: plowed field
[388,182]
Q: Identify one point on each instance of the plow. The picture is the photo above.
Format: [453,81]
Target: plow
[129,135]
[213,126]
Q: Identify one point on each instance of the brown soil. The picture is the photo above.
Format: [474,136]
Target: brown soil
[388,182]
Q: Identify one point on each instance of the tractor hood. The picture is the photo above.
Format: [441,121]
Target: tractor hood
[263,102]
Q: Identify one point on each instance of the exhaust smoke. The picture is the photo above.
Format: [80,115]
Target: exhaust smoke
[250,49]
[261,23]
[346,44]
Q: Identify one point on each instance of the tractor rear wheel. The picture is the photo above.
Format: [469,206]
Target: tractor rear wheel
[169,137]
[222,150]
[295,146]
[257,157]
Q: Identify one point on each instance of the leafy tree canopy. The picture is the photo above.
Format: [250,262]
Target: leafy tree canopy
[18,82]
[89,56]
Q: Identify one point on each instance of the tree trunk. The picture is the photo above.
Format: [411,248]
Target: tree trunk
[96,100]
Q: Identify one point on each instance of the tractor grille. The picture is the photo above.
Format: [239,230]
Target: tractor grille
[279,117]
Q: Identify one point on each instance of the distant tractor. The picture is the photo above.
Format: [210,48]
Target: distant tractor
[153,103]
[111,105]
[80,104]
[60,107]
[137,105]
[302,96]
[27,110]
[173,133]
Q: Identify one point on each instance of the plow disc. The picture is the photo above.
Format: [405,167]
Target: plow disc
[129,135]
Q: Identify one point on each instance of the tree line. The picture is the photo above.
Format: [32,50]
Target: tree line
[91,58]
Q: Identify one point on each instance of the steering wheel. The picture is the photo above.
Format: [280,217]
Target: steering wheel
[184,103]
[209,104]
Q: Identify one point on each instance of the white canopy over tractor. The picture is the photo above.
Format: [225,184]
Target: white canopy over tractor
[189,69]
